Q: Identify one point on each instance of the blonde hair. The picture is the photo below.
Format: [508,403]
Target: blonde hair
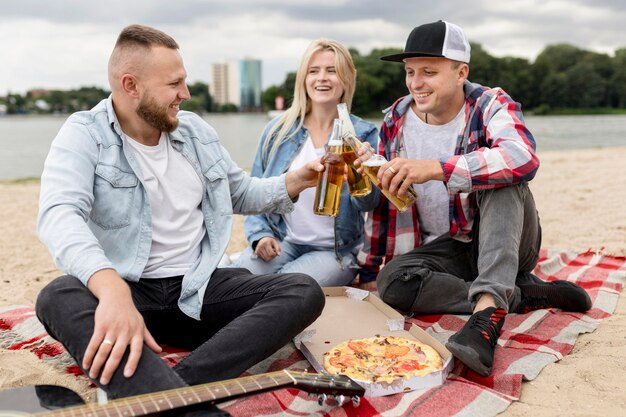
[301,106]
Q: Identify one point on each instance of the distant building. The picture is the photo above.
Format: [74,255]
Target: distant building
[237,82]
[219,84]
[38,93]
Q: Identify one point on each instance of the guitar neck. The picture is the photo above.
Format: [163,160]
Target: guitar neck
[145,404]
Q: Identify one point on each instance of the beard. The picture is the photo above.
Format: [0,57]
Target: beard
[156,115]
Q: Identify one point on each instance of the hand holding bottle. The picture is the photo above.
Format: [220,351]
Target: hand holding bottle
[330,180]
[358,185]
[372,167]
[365,152]
[399,174]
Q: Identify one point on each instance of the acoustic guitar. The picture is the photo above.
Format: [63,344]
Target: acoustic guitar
[37,401]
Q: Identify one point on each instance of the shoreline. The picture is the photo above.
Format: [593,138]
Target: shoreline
[580,199]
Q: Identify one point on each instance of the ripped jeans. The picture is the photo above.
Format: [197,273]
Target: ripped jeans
[447,275]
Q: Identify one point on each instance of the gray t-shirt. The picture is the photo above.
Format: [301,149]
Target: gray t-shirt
[425,141]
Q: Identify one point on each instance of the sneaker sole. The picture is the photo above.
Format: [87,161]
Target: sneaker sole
[565,295]
[469,357]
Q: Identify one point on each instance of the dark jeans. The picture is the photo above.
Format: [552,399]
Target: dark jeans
[446,275]
[245,318]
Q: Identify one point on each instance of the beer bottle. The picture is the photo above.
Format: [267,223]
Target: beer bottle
[370,169]
[358,185]
[330,181]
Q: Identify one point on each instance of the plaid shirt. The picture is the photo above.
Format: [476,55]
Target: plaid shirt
[494,149]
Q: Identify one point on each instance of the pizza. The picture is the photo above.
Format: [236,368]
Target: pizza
[382,359]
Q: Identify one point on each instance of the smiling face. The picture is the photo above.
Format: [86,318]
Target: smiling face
[162,88]
[323,85]
[436,85]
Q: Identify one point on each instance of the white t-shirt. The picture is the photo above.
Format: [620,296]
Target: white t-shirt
[303,226]
[425,141]
[175,193]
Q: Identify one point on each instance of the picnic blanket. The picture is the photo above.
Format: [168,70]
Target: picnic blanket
[528,343]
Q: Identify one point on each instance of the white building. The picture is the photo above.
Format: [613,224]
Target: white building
[237,82]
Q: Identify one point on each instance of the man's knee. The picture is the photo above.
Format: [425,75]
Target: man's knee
[53,293]
[400,287]
[516,195]
[308,291]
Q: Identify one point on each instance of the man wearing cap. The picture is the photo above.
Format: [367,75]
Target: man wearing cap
[470,242]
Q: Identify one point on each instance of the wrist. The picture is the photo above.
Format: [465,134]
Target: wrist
[108,284]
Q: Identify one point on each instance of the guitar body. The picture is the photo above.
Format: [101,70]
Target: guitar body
[36,399]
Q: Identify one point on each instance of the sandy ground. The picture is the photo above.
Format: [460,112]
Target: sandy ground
[580,196]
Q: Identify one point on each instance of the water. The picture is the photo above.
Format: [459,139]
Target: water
[25,140]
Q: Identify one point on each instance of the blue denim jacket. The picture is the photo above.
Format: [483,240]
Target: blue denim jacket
[94,212]
[349,222]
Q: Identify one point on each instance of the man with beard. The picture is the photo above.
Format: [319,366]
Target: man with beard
[136,207]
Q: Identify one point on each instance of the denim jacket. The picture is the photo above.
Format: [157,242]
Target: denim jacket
[94,211]
[349,222]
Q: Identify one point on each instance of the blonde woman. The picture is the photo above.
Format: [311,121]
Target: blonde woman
[322,247]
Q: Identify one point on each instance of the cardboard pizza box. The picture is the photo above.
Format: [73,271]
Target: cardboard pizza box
[352,313]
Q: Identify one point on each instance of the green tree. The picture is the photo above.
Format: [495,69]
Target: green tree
[515,79]
[510,73]
[201,99]
[16,103]
[288,88]
[229,108]
[558,58]
[484,68]
[194,104]
[602,65]
[617,82]
[379,83]
[553,90]
[584,87]
[268,97]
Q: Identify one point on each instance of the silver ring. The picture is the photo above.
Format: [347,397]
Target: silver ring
[107,342]
[393,171]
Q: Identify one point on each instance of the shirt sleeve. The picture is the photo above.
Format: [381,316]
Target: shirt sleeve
[65,202]
[504,155]
[258,226]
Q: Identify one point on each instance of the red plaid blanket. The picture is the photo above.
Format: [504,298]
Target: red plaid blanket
[529,342]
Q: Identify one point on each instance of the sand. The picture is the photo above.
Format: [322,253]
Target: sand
[580,196]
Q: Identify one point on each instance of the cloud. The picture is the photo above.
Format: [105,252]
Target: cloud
[66,43]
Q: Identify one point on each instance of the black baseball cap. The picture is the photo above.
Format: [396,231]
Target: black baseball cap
[437,39]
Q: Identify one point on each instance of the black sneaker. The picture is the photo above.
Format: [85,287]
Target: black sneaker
[475,343]
[558,294]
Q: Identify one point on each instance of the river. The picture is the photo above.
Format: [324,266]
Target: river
[25,140]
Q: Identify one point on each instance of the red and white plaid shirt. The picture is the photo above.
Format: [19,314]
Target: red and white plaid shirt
[494,149]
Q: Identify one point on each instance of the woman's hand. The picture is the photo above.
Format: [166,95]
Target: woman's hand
[267,248]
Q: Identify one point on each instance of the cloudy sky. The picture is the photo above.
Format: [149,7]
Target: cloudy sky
[66,43]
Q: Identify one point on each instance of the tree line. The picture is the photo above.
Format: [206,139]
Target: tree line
[563,78]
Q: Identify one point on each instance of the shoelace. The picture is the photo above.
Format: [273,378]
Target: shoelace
[531,303]
[488,325]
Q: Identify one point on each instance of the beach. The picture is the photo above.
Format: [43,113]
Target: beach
[580,197]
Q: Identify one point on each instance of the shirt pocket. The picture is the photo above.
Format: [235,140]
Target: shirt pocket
[113,191]
[218,190]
